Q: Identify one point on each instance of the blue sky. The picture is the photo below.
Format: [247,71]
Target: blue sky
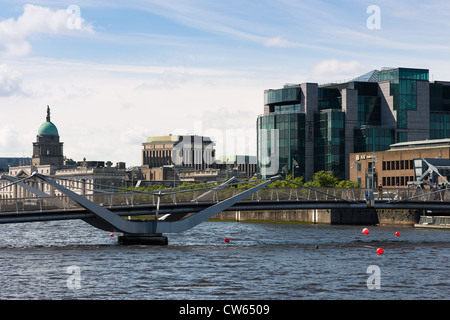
[134,69]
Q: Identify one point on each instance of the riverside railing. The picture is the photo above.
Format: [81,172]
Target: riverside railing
[110,199]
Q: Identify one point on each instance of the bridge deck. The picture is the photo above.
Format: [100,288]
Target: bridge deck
[180,210]
[177,210]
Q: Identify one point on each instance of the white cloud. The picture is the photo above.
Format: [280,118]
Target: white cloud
[337,68]
[14,34]
[278,42]
[10,81]
[12,142]
[106,111]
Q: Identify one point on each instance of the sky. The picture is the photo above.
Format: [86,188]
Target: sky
[117,72]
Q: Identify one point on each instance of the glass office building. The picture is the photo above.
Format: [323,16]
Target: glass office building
[284,117]
[308,127]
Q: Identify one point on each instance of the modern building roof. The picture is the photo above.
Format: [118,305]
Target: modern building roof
[371,76]
[421,144]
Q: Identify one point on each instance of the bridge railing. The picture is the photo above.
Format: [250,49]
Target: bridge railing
[272,194]
[36,204]
[199,196]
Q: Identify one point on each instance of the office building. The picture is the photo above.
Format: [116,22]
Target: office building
[309,127]
[176,157]
[190,158]
[189,151]
[404,164]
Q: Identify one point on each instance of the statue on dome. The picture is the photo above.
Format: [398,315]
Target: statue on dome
[48,113]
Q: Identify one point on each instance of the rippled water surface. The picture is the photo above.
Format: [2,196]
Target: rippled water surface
[261,261]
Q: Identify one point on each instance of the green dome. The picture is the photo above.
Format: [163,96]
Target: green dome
[48,128]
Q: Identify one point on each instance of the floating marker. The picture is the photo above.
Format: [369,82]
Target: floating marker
[227,240]
[380,251]
[397,234]
[365,231]
[111,235]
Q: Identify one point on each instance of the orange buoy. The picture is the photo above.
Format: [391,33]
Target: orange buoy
[380,251]
[365,231]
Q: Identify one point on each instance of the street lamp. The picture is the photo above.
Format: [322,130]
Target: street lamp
[358,168]
[294,165]
[374,160]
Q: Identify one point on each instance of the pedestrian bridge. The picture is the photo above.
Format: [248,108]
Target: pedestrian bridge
[144,217]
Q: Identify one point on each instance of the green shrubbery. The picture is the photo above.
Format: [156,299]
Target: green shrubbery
[321,179]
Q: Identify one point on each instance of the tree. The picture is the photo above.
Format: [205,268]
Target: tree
[347,184]
[286,183]
[323,179]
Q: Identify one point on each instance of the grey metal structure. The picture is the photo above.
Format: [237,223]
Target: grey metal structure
[173,211]
[141,231]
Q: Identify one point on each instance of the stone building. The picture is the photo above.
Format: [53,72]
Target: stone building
[190,158]
[176,157]
[85,177]
[47,149]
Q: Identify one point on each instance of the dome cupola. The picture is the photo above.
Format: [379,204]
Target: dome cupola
[48,127]
[47,150]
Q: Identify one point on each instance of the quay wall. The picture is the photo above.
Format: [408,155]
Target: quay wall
[326,216]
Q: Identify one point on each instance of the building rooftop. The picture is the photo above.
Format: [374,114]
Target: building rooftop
[174,138]
[371,76]
[421,144]
[170,138]
[48,128]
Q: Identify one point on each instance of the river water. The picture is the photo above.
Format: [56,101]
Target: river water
[72,260]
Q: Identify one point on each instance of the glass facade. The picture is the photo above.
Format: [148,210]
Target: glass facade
[439,125]
[329,142]
[439,97]
[439,111]
[291,143]
[403,74]
[369,111]
[403,88]
[284,116]
[283,96]
[372,129]
[371,139]
[329,98]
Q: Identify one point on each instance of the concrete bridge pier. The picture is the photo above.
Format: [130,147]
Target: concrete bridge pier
[156,239]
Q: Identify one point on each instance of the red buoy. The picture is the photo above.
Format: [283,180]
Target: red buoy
[111,235]
[365,231]
[380,251]
[397,234]
[227,240]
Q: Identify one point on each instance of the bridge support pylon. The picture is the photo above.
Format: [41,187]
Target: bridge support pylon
[157,239]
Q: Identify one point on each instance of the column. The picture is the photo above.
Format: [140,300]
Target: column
[309,103]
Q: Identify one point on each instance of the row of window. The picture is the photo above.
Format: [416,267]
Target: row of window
[397,181]
[398,165]
[282,95]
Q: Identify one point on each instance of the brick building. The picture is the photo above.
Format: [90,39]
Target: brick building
[403,163]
